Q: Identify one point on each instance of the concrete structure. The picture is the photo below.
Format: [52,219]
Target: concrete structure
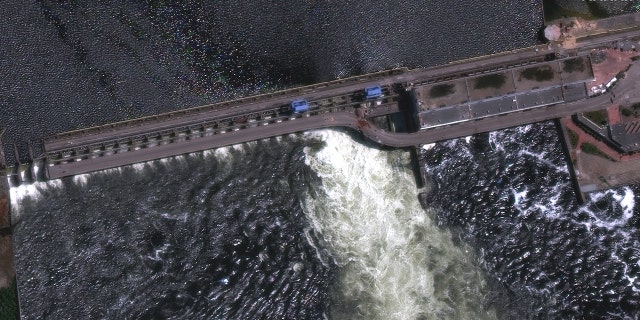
[340,103]
[624,137]
[502,92]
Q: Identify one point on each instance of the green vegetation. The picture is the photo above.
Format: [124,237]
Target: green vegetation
[542,73]
[496,80]
[552,11]
[594,150]
[441,90]
[573,138]
[573,65]
[9,302]
[631,111]
[598,117]
[636,58]
[596,9]
[627,113]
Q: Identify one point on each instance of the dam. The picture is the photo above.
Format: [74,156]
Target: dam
[454,100]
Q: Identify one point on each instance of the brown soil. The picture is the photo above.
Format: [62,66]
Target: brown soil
[7,271]
[613,115]
[604,173]
[615,62]
[4,214]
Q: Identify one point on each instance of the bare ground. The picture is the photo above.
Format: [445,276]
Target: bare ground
[615,62]
[596,170]
[7,269]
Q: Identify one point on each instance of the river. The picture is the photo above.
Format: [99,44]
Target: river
[307,226]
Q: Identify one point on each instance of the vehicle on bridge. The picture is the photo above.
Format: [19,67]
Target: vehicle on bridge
[299,106]
[372,92]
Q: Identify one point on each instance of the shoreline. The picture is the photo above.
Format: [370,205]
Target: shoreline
[7,265]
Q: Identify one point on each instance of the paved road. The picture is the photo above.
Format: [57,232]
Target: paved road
[626,91]
[484,125]
[338,119]
[515,55]
[132,128]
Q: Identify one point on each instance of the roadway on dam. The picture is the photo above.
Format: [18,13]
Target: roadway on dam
[626,91]
[320,118]
[460,68]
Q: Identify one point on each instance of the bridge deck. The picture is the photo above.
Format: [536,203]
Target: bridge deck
[333,105]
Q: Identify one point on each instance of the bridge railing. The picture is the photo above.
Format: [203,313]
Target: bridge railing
[228,104]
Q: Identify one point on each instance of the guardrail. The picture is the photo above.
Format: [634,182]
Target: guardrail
[228,104]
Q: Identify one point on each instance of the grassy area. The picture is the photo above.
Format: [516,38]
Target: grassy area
[441,90]
[552,11]
[592,149]
[631,111]
[627,113]
[9,303]
[598,117]
[490,81]
[573,65]
[596,10]
[573,138]
[542,73]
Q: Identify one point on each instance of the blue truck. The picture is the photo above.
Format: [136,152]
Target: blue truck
[299,106]
[372,92]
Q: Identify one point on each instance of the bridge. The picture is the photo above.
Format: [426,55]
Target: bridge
[340,103]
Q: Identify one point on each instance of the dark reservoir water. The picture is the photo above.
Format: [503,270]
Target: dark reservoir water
[308,226]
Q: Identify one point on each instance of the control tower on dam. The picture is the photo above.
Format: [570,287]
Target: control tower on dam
[457,99]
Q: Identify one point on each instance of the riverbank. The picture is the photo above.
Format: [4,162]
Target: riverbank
[7,268]
[600,167]
[8,288]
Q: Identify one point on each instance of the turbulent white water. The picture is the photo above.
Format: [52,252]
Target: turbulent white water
[395,262]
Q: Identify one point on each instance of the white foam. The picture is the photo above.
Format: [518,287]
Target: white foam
[395,262]
[28,192]
[139,166]
[36,170]
[81,179]
[518,196]
[627,202]
[428,146]
[542,157]
[496,144]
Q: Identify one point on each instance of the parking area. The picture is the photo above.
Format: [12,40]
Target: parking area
[574,92]
[493,107]
[504,91]
[444,116]
[540,98]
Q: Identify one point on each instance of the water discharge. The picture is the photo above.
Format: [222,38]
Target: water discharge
[395,262]
[209,235]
